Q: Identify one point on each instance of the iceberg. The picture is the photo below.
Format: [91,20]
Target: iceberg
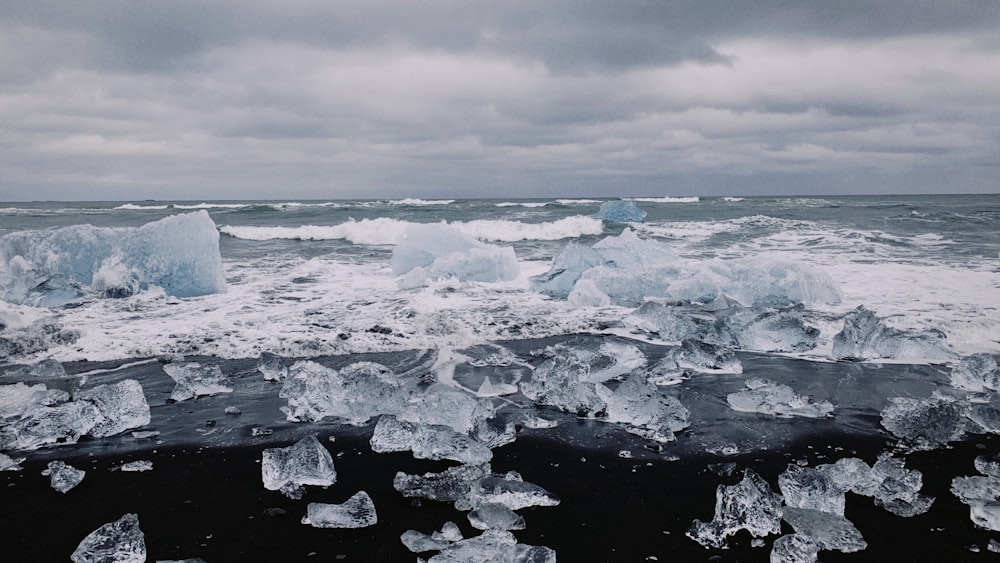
[768,397]
[195,380]
[63,477]
[50,268]
[748,505]
[355,393]
[356,512]
[866,337]
[428,252]
[120,541]
[305,462]
[621,211]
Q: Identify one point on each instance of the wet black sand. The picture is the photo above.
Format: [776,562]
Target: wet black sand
[210,503]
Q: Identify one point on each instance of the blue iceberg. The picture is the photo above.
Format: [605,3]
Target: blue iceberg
[621,211]
[427,252]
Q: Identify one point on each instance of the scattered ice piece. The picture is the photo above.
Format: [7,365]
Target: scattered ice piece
[780,330]
[989,466]
[495,517]
[993,546]
[795,548]
[63,477]
[137,466]
[852,474]
[427,442]
[748,505]
[195,380]
[450,532]
[804,487]
[450,485]
[621,211]
[60,424]
[682,322]
[493,545]
[36,337]
[767,397]
[120,407]
[925,424]
[537,422]
[977,373]
[145,434]
[233,410]
[899,488]
[507,490]
[566,269]
[260,431]
[419,542]
[357,512]
[443,405]
[757,542]
[20,400]
[44,369]
[640,404]
[272,367]
[831,531]
[355,393]
[8,463]
[120,541]
[305,462]
[866,337]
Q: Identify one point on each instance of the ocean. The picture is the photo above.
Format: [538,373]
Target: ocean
[661,369]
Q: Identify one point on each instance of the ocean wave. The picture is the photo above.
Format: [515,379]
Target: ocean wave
[693,199]
[205,205]
[135,207]
[421,202]
[523,204]
[731,199]
[577,201]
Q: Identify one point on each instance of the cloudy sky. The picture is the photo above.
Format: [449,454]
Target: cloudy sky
[229,99]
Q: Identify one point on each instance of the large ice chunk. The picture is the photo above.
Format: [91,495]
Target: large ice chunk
[121,406]
[19,400]
[852,474]
[355,393]
[48,268]
[305,462]
[831,531]
[780,330]
[648,411]
[621,211]
[427,442]
[978,373]
[794,548]
[451,485]
[120,541]
[356,512]
[805,487]
[927,423]
[492,545]
[63,477]
[495,517]
[508,490]
[866,337]
[748,505]
[899,488]
[427,252]
[195,380]
[60,424]
[8,463]
[772,398]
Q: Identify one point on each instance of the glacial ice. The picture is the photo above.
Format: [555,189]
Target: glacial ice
[640,404]
[495,517]
[44,369]
[748,505]
[356,512]
[427,442]
[426,252]
[621,211]
[508,490]
[138,466]
[120,407]
[451,485]
[852,474]
[867,337]
[498,546]
[794,548]
[120,541]
[356,393]
[805,487]
[925,424]
[63,477]
[899,488]
[272,367]
[780,330]
[50,268]
[8,463]
[305,462]
[829,530]
[444,405]
[35,337]
[195,380]
[977,373]
[767,397]
[18,400]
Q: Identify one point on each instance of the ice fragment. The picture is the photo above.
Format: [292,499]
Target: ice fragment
[767,397]
[305,462]
[357,512]
[120,541]
[63,477]
[195,380]
[748,505]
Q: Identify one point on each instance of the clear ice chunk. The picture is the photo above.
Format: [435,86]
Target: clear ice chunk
[767,397]
[831,531]
[507,490]
[989,466]
[195,380]
[495,517]
[356,512]
[444,405]
[356,393]
[272,367]
[493,545]
[772,330]
[427,442]
[8,463]
[621,211]
[866,337]
[138,466]
[805,487]
[120,406]
[977,373]
[899,488]
[852,474]
[566,269]
[925,423]
[63,477]
[120,541]
[748,505]
[44,369]
[981,493]
[20,400]
[450,485]
[641,405]
[305,462]
[425,252]
[60,424]
[795,548]
[419,542]
[679,322]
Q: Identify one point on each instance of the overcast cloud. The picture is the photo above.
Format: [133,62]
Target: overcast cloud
[236,99]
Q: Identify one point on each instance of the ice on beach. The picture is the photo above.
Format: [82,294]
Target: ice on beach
[44,369]
[794,548]
[805,487]
[427,442]
[780,330]
[356,512]
[693,357]
[290,469]
[426,252]
[450,485]
[682,321]
[566,269]
[196,380]
[444,405]
[8,463]
[641,405]
[748,505]
[767,397]
[18,400]
[982,495]
[867,337]
[356,393]
[899,488]
[63,477]
[977,373]
[120,541]
[852,474]
[831,531]
[120,406]
[491,545]
[925,423]
[50,268]
[621,211]
[508,490]
[138,466]
[495,517]
[272,367]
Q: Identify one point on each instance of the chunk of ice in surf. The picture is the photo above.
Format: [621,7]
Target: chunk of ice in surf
[977,373]
[195,380]
[427,252]
[272,367]
[290,469]
[356,512]
[866,337]
[8,463]
[925,424]
[18,400]
[444,405]
[621,211]
[767,397]
[63,477]
[640,404]
[831,531]
[805,487]
[356,393]
[780,330]
[120,541]
[748,505]
[680,322]
[44,369]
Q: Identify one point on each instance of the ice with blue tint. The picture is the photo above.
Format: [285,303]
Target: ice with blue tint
[50,268]
[290,469]
[120,541]
[355,393]
[356,512]
[867,337]
[566,269]
[621,211]
[424,253]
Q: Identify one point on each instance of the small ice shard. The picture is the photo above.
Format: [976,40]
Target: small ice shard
[356,512]
[795,548]
[804,487]
[767,397]
[450,485]
[63,477]
[233,410]
[537,422]
[989,466]
[120,541]
[507,490]
[640,404]
[977,373]
[305,462]
[495,517]
[272,367]
[121,406]
[355,393]
[925,424]
[866,337]
[426,252]
[427,442]
[831,531]
[8,463]
[195,380]
[145,434]
[450,532]
[138,466]
[899,488]
[748,505]
[621,211]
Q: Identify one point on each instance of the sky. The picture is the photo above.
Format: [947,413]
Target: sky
[252,99]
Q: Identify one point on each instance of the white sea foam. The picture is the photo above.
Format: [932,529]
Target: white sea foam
[693,199]
[577,201]
[135,207]
[204,205]
[731,199]
[532,204]
[417,202]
